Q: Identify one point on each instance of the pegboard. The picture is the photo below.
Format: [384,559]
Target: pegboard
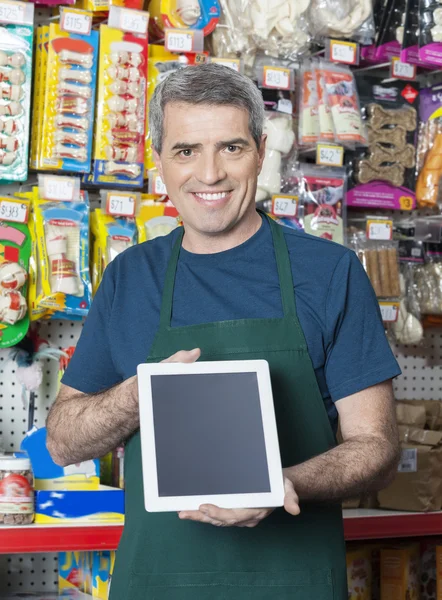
[28,573]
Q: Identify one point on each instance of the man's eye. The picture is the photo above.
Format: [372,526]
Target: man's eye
[186,152]
[232,149]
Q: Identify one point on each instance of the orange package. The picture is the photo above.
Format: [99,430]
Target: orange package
[308,107]
[427,186]
[326,133]
[400,573]
[359,574]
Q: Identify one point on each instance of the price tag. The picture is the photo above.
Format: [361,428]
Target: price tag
[277,77]
[12,12]
[344,52]
[60,188]
[134,21]
[285,206]
[121,205]
[159,187]
[76,22]
[179,41]
[402,70]
[329,155]
[13,211]
[389,311]
[379,229]
[232,63]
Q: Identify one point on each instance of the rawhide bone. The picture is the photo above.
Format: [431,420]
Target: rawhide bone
[394,174]
[380,154]
[396,136]
[379,117]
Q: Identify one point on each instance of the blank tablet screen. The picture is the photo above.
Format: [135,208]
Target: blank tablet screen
[209,436]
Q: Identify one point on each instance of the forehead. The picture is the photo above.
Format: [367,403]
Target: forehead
[203,123]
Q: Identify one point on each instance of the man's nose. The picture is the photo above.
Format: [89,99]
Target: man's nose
[210,169]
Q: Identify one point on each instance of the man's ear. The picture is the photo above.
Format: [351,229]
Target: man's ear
[262,152]
[157,161]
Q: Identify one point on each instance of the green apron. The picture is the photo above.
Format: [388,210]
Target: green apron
[298,558]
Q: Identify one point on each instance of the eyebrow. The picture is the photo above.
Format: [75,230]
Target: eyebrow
[234,142]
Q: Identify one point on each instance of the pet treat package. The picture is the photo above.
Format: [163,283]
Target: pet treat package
[121,117]
[381,263]
[16,44]
[410,38]
[200,15]
[383,175]
[62,231]
[430,32]
[390,37]
[15,250]
[155,218]
[334,18]
[429,147]
[308,115]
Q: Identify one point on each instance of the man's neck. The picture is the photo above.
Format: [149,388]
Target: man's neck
[198,243]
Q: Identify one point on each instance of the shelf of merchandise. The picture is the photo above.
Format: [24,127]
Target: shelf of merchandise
[359,524]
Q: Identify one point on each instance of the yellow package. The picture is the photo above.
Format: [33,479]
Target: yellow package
[155,218]
[359,574]
[102,570]
[400,573]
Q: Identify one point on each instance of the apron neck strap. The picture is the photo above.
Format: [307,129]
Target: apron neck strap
[282,261]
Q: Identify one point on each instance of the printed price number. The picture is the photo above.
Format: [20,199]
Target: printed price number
[134,22]
[75,22]
[343,52]
[402,70]
[380,230]
[332,156]
[179,42]
[13,211]
[276,78]
[284,206]
[231,63]
[55,188]
[121,205]
[11,12]
[158,186]
[389,311]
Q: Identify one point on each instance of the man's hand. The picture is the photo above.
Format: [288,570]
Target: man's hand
[184,356]
[241,517]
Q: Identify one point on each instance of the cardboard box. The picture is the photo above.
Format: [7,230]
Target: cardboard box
[411,414]
[400,573]
[105,505]
[359,576]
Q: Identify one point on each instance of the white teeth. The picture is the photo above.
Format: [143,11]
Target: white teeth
[209,197]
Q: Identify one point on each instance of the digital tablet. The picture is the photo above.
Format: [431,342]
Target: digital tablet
[208,436]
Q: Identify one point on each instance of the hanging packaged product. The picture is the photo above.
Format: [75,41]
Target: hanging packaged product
[408,329]
[381,262]
[429,147]
[16,43]
[228,43]
[341,95]
[322,193]
[197,15]
[62,228]
[15,250]
[326,129]
[337,18]
[155,218]
[121,118]
[66,109]
[410,40]
[308,113]
[390,38]
[383,176]
[428,278]
[430,32]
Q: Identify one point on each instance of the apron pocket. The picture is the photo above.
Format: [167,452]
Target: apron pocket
[277,585]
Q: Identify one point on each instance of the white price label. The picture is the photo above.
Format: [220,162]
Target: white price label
[377,230]
[121,205]
[285,106]
[75,22]
[284,206]
[231,63]
[402,70]
[332,156]
[179,41]
[389,312]
[343,52]
[12,12]
[408,463]
[59,188]
[134,21]
[276,78]
[158,186]
[13,211]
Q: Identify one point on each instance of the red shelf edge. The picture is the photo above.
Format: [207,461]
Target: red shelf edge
[393,526]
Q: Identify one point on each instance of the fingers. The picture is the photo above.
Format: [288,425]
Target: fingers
[220,517]
[184,356]
[291,500]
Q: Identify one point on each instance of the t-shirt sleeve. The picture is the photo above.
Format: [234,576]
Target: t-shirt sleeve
[358,352]
[91,368]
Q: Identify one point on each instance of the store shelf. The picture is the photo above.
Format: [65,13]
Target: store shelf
[359,524]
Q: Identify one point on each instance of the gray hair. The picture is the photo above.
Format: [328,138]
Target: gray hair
[211,84]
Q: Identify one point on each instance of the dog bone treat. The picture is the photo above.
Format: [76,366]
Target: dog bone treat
[394,174]
[394,272]
[380,117]
[373,270]
[380,154]
[397,136]
[16,491]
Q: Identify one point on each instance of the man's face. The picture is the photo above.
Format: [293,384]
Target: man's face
[210,164]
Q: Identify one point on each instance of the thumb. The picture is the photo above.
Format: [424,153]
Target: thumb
[291,500]
[184,356]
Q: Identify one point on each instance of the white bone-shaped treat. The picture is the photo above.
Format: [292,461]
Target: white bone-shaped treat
[118,72]
[17,59]
[13,307]
[14,76]
[125,121]
[129,170]
[7,158]
[82,59]
[66,137]
[9,143]
[119,104]
[12,109]
[127,154]
[79,75]
[62,151]
[72,89]
[80,123]
[8,126]
[72,104]
[12,276]
[189,11]
[122,87]
[280,135]
[11,92]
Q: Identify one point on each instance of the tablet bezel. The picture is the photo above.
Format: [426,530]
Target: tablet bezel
[155,503]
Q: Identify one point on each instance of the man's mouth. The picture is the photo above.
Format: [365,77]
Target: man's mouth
[212,196]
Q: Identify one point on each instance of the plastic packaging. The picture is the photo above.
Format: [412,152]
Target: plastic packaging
[429,281]
[428,162]
[430,32]
[16,44]
[308,106]
[326,128]
[155,219]
[16,491]
[408,329]
[342,19]
[380,260]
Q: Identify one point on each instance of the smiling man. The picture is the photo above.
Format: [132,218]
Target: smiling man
[231,284]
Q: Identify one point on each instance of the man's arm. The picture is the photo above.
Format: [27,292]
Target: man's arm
[84,426]
[367,459]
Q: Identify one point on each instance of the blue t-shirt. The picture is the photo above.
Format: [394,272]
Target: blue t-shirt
[336,305]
